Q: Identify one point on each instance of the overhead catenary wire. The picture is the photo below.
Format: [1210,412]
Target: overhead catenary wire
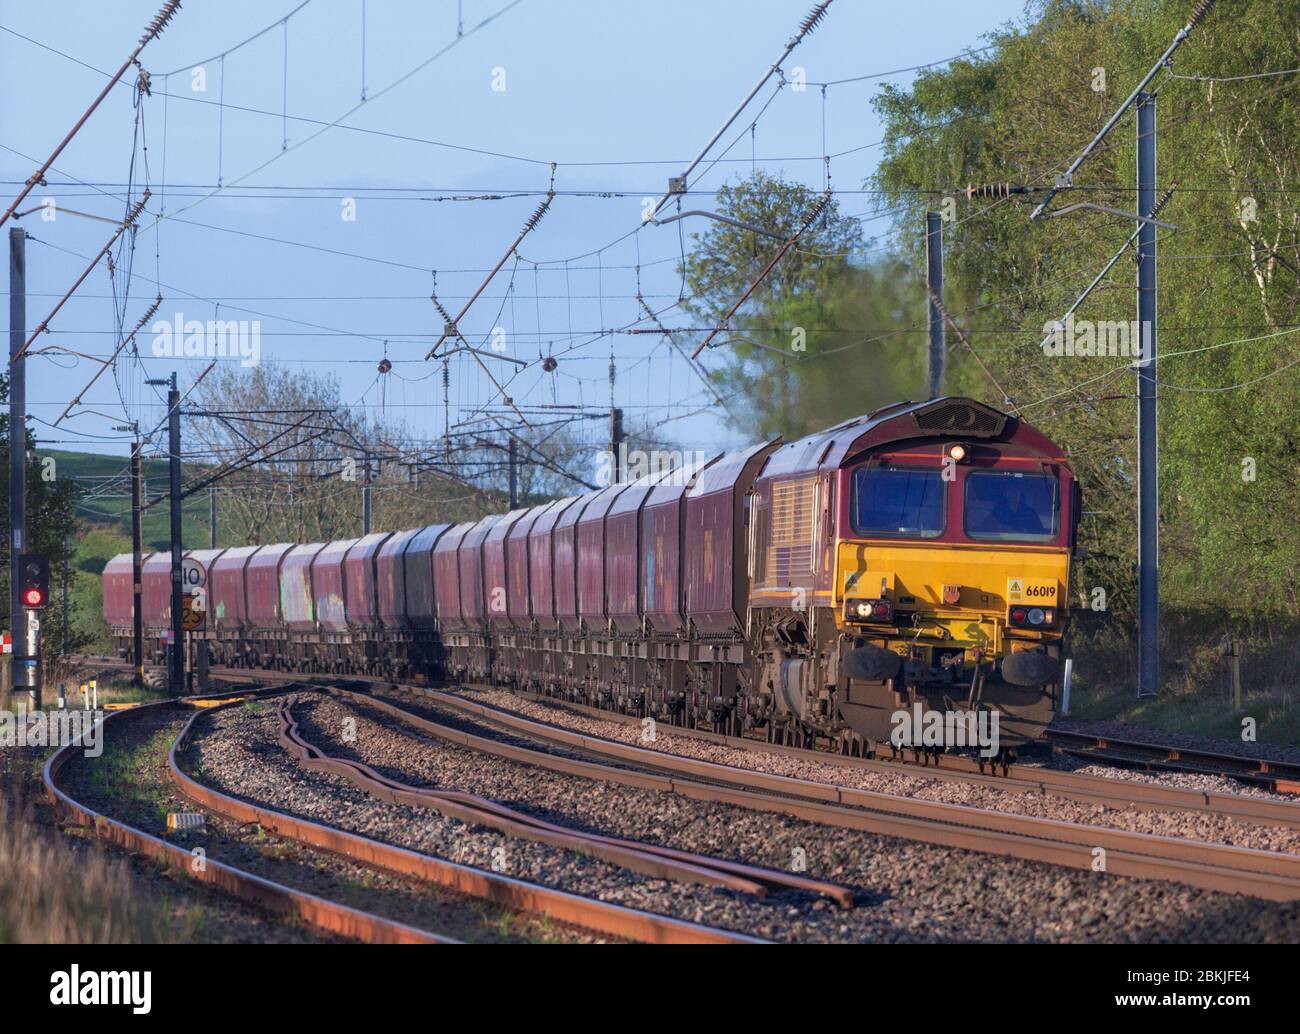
[602,265]
[356,107]
[805,28]
[151,32]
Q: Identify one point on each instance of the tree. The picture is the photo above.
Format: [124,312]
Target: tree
[313,452]
[725,259]
[1017,114]
[827,335]
[52,528]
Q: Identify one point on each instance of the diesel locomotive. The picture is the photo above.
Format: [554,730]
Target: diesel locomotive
[916,557]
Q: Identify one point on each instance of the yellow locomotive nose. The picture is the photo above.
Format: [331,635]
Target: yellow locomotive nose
[952,606]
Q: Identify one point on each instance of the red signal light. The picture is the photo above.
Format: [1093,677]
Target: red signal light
[33,598]
[881,610]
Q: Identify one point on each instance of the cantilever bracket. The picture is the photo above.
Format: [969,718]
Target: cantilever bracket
[1110,211]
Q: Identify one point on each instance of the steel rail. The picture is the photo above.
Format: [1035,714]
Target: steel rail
[1024,778]
[317,912]
[515,894]
[1208,866]
[1283,775]
[652,859]
[366,778]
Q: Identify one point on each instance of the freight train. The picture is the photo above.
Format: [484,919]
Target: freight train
[915,557]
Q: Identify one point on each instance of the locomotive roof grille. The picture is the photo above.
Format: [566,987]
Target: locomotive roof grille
[960,417]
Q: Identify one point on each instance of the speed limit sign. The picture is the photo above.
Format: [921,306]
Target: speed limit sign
[192,575]
[194,609]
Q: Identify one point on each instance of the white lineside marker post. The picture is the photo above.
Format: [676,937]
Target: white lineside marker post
[85,697]
[94,695]
[1236,678]
[63,697]
[1065,687]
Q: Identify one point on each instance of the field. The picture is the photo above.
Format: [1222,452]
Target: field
[105,509]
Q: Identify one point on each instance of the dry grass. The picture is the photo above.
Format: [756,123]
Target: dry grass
[110,691]
[54,895]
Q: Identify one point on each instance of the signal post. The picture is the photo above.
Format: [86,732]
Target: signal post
[33,593]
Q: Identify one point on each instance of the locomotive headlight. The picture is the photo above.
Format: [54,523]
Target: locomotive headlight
[957,452]
[869,610]
[1036,616]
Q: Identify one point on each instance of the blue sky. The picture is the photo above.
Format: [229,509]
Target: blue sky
[619,94]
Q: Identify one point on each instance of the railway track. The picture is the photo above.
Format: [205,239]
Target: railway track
[1278,776]
[515,894]
[319,913]
[649,859]
[1209,866]
[330,916]
[1092,789]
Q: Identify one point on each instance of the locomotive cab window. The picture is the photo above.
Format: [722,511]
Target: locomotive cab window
[898,501]
[1004,505]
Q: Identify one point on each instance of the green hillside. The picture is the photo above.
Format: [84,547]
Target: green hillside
[106,497]
[105,510]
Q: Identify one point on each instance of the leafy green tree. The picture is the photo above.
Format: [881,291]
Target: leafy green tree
[1017,114]
[827,335]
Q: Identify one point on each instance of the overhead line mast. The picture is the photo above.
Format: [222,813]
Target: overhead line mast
[1147,426]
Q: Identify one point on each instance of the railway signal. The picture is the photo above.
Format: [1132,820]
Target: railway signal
[34,580]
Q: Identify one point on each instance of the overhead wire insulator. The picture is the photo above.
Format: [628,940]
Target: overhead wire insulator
[536,217]
[137,208]
[446,316]
[1198,15]
[996,191]
[814,17]
[1164,199]
[160,20]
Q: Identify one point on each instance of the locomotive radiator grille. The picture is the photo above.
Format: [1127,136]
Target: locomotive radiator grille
[790,543]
